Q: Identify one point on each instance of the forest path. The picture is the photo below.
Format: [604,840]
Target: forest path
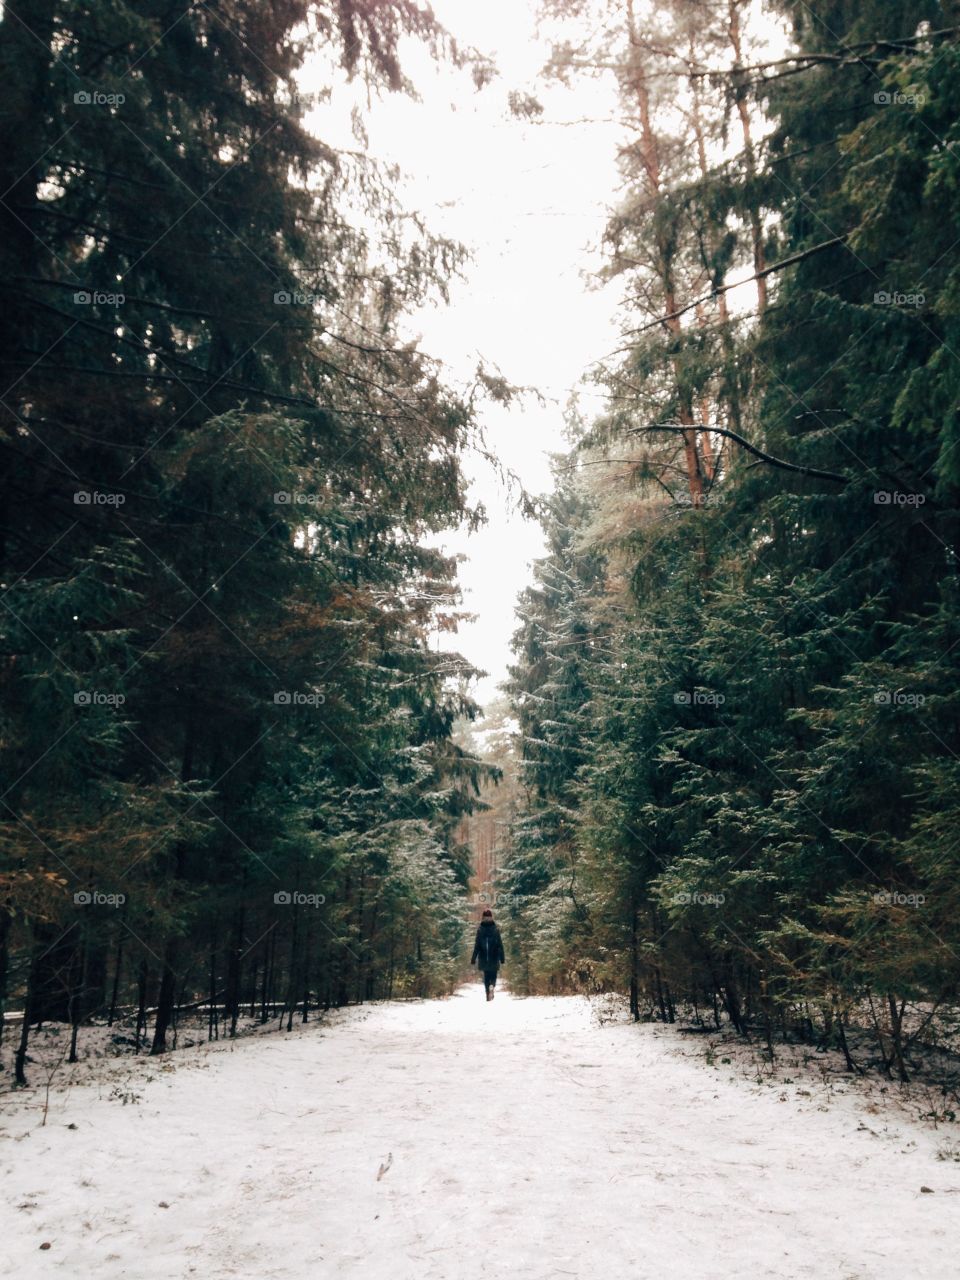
[519,1138]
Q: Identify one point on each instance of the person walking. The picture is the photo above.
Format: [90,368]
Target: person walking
[488,951]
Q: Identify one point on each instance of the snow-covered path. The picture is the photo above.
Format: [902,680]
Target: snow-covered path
[520,1139]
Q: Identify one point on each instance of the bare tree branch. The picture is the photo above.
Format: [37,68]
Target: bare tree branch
[750,448]
[706,297]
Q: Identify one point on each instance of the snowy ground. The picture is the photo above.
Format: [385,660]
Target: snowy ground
[435,1139]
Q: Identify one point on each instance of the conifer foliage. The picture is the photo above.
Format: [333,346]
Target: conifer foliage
[227,770]
[737,678]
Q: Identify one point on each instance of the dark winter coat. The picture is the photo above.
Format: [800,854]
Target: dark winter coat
[488,948]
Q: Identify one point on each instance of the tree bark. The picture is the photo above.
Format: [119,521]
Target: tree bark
[650,156]
[165,998]
[28,1002]
[743,110]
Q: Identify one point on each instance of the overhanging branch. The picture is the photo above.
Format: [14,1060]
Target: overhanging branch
[753,449]
[724,288]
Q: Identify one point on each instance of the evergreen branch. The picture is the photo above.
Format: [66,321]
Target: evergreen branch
[848,57]
[793,63]
[724,288]
[271,396]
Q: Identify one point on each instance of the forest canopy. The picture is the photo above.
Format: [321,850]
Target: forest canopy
[736,671]
[229,778]
[237,765]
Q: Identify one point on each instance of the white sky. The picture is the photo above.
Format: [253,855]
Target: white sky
[528,200]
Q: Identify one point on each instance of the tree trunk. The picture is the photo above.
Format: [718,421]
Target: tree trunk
[28,1002]
[76,996]
[4,967]
[671,1009]
[650,156]
[213,1026]
[231,1003]
[142,982]
[842,1040]
[750,163]
[634,964]
[115,989]
[658,991]
[166,997]
[896,1035]
[269,964]
[290,998]
[305,1012]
